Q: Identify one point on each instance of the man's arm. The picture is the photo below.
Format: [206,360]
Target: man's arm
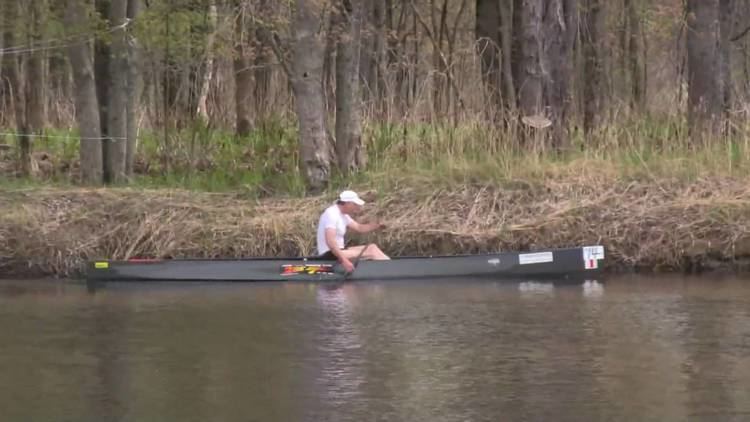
[334,247]
[364,228]
[332,244]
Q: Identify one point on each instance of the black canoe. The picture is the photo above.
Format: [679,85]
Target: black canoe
[554,263]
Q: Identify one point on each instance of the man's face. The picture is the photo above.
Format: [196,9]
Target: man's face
[351,208]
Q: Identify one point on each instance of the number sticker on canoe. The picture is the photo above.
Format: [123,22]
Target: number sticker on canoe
[534,258]
[306,269]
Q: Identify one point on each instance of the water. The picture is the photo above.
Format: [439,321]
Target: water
[631,349]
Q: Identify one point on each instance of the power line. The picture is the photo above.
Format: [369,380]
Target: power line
[95,138]
[60,43]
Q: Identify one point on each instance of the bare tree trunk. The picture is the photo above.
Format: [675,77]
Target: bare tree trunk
[87,107]
[398,57]
[37,83]
[529,78]
[329,64]
[439,85]
[380,59]
[593,55]
[704,96]
[636,54]
[349,148]
[101,75]
[506,43]
[414,62]
[116,146]
[487,33]
[135,86]
[455,101]
[726,12]
[208,74]
[242,72]
[14,84]
[307,83]
[262,72]
[560,30]
[367,56]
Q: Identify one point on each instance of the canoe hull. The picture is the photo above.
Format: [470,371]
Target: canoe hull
[559,263]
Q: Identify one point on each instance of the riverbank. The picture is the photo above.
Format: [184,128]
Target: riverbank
[640,188]
[645,224]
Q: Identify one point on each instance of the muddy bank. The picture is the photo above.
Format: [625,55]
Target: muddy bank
[669,225]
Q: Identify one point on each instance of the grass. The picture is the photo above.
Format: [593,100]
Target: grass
[266,162]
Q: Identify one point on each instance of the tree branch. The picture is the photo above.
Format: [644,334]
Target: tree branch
[440,51]
[277,44]
[740,35]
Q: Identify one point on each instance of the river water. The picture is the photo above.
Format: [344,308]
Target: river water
[630,348]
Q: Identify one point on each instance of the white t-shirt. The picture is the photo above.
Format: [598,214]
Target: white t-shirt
[332,217]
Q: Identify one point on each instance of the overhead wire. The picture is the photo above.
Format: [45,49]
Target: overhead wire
[90,138]
[53,44]
[59,43]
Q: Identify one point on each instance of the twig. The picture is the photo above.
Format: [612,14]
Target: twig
[740,35]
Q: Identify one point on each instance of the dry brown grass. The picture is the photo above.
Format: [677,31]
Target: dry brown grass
[665,224]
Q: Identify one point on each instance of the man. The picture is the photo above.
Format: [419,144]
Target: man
[332,228]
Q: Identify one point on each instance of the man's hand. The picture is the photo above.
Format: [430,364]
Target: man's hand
[347,264]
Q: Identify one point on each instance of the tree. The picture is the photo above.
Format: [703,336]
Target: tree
[87,105]
[307,84]
[13,83]
[594,67]
[704,98]
[373,59]
[529,66]
[635,53]
[36,104]
[262,73]
[208,66]
[117,127]
[349,148]
[243,75]
[487,34]
[134,71]
[726,27]
[561,26]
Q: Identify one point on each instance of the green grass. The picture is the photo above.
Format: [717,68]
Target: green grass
[266,162]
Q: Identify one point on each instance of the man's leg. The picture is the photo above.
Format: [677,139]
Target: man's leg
[372,251]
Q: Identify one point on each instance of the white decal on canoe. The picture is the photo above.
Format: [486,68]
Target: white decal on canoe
[591,256]
[494,261]
[534,258]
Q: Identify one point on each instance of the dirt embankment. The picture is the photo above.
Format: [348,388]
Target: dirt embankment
[664,225]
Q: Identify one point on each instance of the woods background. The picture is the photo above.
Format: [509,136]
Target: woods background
[102,91]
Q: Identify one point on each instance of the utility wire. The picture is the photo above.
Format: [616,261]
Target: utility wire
[94,138]
[60,43]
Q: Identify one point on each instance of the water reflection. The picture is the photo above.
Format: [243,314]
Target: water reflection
[633,349]
[338,346]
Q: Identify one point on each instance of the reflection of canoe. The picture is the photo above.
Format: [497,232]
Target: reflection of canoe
[558,263]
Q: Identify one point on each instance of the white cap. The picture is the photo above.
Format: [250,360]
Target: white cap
[351,196]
